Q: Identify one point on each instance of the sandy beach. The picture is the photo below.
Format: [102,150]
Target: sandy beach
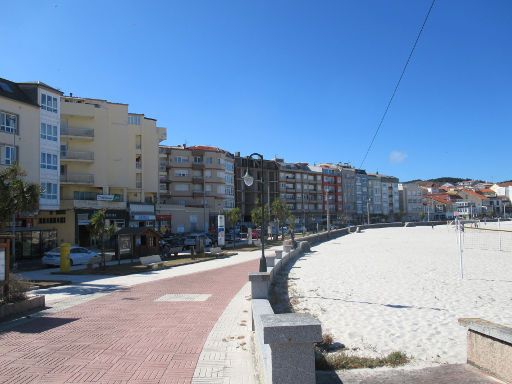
[399,289]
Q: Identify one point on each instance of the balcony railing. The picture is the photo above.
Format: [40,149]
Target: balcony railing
[77,155]
[77,178]
[76,132]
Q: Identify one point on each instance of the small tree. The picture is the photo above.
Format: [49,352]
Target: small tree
[101,231]
[16,194]
[233,216]
[280,212]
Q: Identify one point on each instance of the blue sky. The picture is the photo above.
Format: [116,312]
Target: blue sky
[303,80]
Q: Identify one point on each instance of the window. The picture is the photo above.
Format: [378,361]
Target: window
[180,159]
[49,191]
[209,160]
[198,159]
[138,180]
[9,155]
[138,142]
[181,187]
[48,161]
[133,120]
[48,103]
[8,122]
[48,132]
[181,172]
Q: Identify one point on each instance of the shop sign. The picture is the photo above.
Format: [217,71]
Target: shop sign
[144,217]
[105,197]
[164,217]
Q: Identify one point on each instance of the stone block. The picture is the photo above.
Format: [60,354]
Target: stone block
[279,254]
[291,328]
[489,347]
[270,260]
[291,338]
[260,283]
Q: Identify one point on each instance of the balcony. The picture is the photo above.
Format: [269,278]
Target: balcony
[197,180]
[77,178]
[81,156]
[77,133]
[92,204]
[197,165]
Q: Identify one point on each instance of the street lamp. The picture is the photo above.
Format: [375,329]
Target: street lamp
[249,180]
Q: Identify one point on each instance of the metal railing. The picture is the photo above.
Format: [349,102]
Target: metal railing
[75,131]
[77,178]
[77,155]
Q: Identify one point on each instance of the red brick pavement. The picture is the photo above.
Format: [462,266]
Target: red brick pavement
[124,337]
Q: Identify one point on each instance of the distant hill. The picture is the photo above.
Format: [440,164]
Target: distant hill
[441,180]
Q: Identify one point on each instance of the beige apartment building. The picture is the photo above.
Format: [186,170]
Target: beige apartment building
[108,159]
[199,178]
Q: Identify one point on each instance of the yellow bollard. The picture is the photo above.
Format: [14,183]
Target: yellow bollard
[65,265]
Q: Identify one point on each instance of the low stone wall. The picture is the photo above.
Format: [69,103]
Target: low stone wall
[13,309]
[489,347]
[284,343]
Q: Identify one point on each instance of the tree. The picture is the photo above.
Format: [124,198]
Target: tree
[16,194]
[101,231]
[233,216]
[280,212]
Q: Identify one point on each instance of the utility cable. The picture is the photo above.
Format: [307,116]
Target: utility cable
[397,84]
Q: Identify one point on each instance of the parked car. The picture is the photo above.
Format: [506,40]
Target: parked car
[193,240]
[77,255]
[171,246]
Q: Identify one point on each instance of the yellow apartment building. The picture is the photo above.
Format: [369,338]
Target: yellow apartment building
[108,159]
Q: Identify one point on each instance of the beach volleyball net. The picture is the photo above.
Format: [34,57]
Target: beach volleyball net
[478,235]
[485,238]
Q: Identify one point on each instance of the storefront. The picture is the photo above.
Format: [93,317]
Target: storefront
[32,243]
[142,215]
[115,217]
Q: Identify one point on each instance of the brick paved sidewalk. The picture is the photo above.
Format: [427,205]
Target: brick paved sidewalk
[125,337]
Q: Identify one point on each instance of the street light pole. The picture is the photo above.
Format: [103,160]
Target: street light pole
[368,209]
[248,180]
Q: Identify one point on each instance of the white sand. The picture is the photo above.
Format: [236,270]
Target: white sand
[393,289]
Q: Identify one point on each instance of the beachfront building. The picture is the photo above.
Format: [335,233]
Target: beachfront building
[248,197]
[29,136]
[300,186]
[348,187]
[333,193]
[109,159]
[200,178]
[362,200]
[411,201]
[383,198]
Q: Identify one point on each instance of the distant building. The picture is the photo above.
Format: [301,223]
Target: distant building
[197,176]
[411,201]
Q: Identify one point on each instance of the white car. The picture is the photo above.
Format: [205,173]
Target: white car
[77,255]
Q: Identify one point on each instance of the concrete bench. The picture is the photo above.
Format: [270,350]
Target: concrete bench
[489,347]
[153,261]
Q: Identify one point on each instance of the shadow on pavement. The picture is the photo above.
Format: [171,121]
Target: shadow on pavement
[42,324]
[81,289]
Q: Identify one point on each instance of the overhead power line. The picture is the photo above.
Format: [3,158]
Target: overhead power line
[397,85]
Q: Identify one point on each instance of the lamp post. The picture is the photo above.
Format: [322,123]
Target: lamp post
[249,180]
[368,209]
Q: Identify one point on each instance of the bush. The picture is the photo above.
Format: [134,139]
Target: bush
[340,360]
[18,288]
